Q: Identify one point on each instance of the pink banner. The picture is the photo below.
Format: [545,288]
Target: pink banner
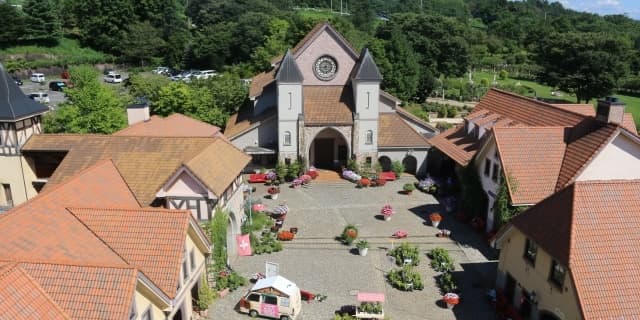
[244,245]
[269,310]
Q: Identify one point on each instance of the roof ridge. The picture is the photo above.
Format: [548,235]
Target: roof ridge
[412,129]
[62,262]
[609,181]
[542,103]
[147,209]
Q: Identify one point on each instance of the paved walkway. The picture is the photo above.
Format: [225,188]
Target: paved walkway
[316,262]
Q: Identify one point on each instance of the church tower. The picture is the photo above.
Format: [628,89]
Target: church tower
[289,81]
[365,82]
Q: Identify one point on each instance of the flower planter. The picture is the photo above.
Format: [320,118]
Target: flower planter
[450,305]
[435,223]
[274,196]
[363,251]
[387,218]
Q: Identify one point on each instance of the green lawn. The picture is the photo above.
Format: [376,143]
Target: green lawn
[67,52]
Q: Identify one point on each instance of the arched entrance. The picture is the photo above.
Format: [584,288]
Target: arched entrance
[231,237]
[328,150]
[385,163]
[410,164]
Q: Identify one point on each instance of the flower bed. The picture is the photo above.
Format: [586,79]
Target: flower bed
[406,252]
[405,279]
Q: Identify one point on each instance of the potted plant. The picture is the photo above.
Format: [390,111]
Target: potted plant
[285,235]
[273,192]
[306,179]
[451,299]
[387,212]
[349,234]
[408,188]
[297,183]
[363,247]
[435,219]
[365,182]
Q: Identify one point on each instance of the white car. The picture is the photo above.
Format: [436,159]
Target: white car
[37,77]
[41,97]
[113,77]
[205,74]
[160,70]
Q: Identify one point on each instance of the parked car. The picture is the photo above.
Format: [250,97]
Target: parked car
[113,77]
[57,85]
[205,74]
[41,97]
[188,75]
[160,70]
[17,80]
[38,77]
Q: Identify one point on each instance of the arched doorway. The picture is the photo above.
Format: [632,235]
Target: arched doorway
[328,150]
[410,164]
[231,237]
[385,163]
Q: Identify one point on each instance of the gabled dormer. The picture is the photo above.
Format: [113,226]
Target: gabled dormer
[19,116]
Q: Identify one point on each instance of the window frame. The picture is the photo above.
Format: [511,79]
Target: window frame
[254,294]
[368,137]
[494,173]
[530,258]
[265,297]
[552,274]
[287,138]
[192,258]
[487,167]
[147,313]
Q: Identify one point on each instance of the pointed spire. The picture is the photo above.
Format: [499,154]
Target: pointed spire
[14,104]
[366,69]
[288,72]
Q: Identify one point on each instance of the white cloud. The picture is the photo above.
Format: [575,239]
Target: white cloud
[607,3]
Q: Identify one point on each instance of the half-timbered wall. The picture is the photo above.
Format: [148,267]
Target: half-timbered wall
[15,134]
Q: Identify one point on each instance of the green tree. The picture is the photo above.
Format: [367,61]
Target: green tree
[102,23]
[92,107]
[148,86]
[11,24]
[398,64]
[274,44]
[141,44]
[586,64]
[41,22]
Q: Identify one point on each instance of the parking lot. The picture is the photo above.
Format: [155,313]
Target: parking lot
[318,263]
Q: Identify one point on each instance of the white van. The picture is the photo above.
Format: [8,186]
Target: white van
[37,77]
[113,77]
[273,297]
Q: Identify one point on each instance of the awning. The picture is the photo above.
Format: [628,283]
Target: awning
[370,297]
[258,150]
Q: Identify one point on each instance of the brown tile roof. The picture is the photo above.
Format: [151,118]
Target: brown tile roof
[629,124]
[21,298]
[175,125]
[403,112]
[227,160]
[532,173]
[457,144]
[591,227]
[589,110]
[152,240]
[243,120]
[328,105]
[395,132]
[146,163]
[528,111]
[582,150]
[31,231]
[260,82]
[87,292]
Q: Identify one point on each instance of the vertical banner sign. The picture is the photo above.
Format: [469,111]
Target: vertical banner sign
[244,245]
[271,269]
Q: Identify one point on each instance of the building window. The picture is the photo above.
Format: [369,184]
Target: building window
[530,251]
[134,313]
[287,161]
[147,314]
[368,161]
[368,99]
[494,174]
[270,299]
[557,274]
[287,138]
[369,137]
[8,197]
[487,167]
[192,258]
[290,101]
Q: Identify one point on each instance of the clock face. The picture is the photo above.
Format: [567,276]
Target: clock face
[325,68]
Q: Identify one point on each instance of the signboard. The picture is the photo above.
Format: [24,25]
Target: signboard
[269,310]
[271,269]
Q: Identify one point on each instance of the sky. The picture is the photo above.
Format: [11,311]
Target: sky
[629,7]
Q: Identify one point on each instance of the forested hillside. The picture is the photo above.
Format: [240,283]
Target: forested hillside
[418,44]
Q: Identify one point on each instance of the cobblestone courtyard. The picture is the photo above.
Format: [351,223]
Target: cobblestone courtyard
[316,262]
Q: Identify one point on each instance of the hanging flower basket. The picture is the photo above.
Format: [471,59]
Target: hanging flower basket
[451,299]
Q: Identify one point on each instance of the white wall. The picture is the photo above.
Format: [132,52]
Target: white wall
[364,126]
[400,154]
[289,101]
[17,173]
[290,126]
[490,187]
[618,160]
[367,99]
[266,134]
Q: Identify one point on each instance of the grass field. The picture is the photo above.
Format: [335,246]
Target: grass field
[67,52]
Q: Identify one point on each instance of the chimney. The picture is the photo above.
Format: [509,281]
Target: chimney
[610,110]
[138,112]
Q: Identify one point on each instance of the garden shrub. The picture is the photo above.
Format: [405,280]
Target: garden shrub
[266,244]
[406,251]
[397,167]
[231,280]
[205,295]
[440,260]
[447,283]
[349,234]
[405,279]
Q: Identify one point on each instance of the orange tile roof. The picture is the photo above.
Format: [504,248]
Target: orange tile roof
[260,82]
[531,174]
[395,132]
[226,158]
[86,292]
[175,125]
[152,240]
[629,124]
[328,105]
[21,298]
[589,110]
[146,163]
[591,227]
[457,144]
